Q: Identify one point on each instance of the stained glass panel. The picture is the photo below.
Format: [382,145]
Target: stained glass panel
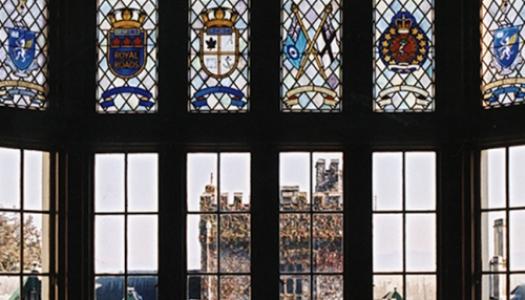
[502,68]
[311,56]
[127,56]
[403,56]
[219,63]
[23,72]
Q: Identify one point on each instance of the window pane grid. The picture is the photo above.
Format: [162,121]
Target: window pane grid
[136,273]
[311,225]
[404,271]
[27,241]
[502,265]
[219,238]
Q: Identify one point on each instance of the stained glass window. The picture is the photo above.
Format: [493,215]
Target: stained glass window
[23,34]
[126,226]
[311,56]
[502,67]
[404,225]
[311,226]
[127,56]
[219,62]
[403,56]
[219,226]
[502,223]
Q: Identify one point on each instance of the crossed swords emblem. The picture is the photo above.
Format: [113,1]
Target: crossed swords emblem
[311,43]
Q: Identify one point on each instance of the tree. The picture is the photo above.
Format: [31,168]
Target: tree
[10,238]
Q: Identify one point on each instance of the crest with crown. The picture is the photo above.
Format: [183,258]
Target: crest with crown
[127,18]
[404,46]
[219,17]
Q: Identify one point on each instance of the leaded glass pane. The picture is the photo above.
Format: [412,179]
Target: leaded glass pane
[502,68]
[127,56]
[311,56]
[404,56]
[23,56]
[219,56]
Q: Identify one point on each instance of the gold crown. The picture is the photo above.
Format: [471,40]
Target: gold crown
[403,24]
[127,18]
[219,17]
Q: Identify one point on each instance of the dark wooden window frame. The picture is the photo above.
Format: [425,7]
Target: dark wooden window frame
[458,130]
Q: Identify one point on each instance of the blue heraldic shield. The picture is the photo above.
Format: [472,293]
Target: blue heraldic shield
[21,45]
[506,48]
[127,51]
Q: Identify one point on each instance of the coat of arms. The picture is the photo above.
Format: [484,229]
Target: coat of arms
[219,41]
[219,55]
[403,46]
[127,43]
[22,87]
[127,54]
[21,49]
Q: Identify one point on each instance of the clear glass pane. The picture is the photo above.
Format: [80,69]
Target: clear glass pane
[327,174]
[9,286]
[202,243]
[388,243]
[235,288]
[328,287]
[421,287]
[517,240]
[328,243]
[493,187]
[36,243]
[420,242]
[142,244]
[517,176]
[494,286]
[420,176]
[109,182]
[294,243]
[36,180]
[10,242]
[143,183]
[142,287]
[387,181]
[294,287]
[9,178]
[388,286]
[294,181]
[202,182]
[35,287]
[493,241]
[517,287]
[202,287]
[109,244]
[235,243]
[235,182]
[109,288]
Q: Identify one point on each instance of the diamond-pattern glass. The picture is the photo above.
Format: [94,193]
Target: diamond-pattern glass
[311,57]
[502,67]
[23,55]
[403,56]
[219,56]
[127,56]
